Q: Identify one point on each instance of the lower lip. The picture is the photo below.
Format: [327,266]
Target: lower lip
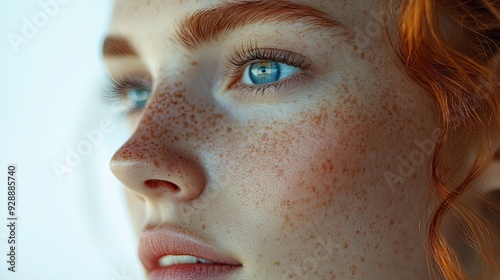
[194,272]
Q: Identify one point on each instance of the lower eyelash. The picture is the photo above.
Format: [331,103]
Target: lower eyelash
[258,91]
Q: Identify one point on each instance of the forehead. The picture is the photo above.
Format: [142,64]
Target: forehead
[191,22]
[170,12]
[175,6]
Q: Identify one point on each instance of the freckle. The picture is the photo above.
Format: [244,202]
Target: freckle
[276,263]
[362,55]
[229,129]
[353,269]
[203,227]
[391,222]
[157,164]
[362,259]
[396,109]
[194,63]
[346,245]
[346,88]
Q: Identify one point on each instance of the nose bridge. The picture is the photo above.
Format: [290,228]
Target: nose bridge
[168,105]
[176,116]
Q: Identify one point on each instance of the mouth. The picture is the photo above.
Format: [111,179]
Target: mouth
[169,253]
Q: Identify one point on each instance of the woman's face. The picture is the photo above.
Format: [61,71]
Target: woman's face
[286,137]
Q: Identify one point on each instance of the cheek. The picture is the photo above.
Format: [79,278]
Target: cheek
[299,169]
[326,172]
[324,153]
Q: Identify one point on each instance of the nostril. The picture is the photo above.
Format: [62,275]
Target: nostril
[156,184]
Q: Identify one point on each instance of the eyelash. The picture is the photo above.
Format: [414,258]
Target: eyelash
[251,53]
[115,93]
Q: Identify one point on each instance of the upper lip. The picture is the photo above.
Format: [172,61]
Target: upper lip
[160,241]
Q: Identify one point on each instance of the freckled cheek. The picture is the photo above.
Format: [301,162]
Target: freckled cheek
[297,162]
[299,174]
[326,156]
[330,151]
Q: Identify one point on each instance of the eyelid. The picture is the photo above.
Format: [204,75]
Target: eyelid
[134,80]
[249,54]
[114,92]
[252,54]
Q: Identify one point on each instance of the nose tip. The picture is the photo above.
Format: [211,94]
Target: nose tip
[158,174]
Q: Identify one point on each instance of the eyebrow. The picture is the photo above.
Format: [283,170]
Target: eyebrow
[117,46]
[208,25]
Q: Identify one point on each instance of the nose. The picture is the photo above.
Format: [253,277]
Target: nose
[156,161]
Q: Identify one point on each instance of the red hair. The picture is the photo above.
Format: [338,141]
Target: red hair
[464,78]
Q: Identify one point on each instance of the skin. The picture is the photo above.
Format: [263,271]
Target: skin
[271,179]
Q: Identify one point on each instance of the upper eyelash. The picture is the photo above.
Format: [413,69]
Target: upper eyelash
[122,82]
[251,52]
[113,91]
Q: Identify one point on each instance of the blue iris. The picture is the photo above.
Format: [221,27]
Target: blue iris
[138,97]
[265,72]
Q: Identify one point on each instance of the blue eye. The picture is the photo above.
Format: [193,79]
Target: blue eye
[266,72]
[138,97]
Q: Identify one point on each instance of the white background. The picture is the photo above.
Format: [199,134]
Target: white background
[75,227]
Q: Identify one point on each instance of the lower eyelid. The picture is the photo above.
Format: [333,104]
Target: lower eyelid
[273,92]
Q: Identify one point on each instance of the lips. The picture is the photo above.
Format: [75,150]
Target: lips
[183,256]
